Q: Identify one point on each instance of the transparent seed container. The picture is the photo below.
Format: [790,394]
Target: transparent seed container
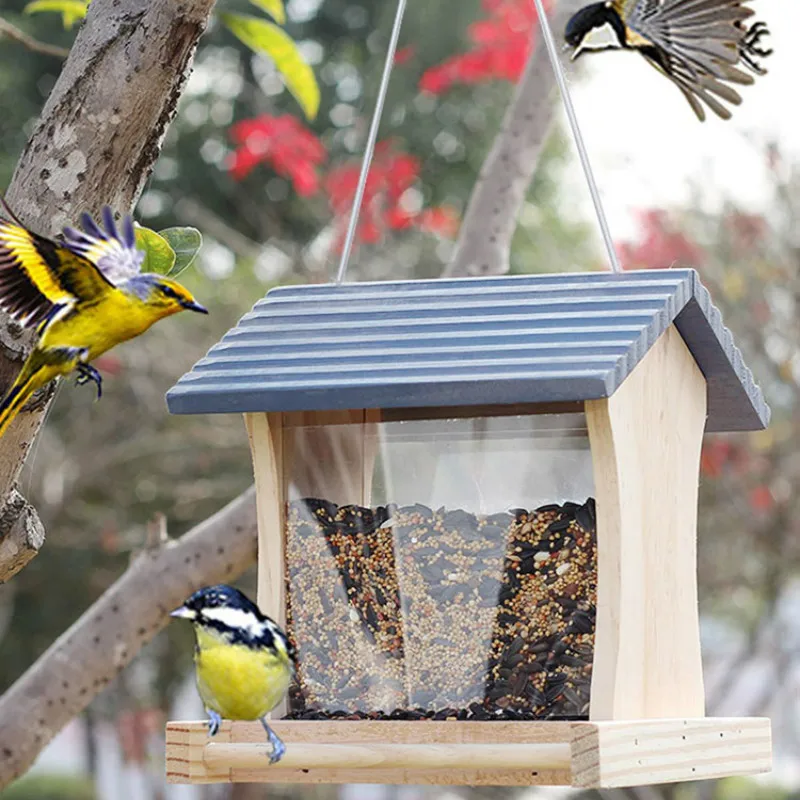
[440,566]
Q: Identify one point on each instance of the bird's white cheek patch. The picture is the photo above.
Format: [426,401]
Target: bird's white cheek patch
[600,38]
[235,618]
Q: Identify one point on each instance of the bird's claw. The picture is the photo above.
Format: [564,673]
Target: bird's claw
[278,747]
[87,373]
[214,721]
[751,47]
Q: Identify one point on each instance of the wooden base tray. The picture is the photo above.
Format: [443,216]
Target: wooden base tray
[580,754]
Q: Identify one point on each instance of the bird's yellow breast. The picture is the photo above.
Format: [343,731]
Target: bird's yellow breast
[239,682]
[102,325]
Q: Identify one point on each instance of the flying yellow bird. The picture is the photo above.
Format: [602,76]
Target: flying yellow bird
[83,297]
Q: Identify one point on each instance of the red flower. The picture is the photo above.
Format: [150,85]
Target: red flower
[747,230]
[441,220]
[390,175]
[662,246]
[404,55]
[384,208]
[761,499]
[291,149]
[501,46]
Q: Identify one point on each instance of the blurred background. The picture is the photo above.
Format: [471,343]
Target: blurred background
[722,197]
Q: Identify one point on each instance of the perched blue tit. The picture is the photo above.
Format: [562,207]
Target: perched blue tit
[243,660]
[698,44]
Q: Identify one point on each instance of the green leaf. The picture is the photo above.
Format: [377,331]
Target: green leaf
[186,244]
[274,8]
[267,38]
[71,10]
[159,257]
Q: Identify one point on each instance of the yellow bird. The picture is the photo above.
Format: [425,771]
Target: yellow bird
[83,297]
[244,661]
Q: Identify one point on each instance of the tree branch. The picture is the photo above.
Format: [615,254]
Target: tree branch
[18,35]
[484,242]
[95,143]
[83,660]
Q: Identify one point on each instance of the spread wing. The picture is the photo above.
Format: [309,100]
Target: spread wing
[113,252]
[696,43]
[38,275]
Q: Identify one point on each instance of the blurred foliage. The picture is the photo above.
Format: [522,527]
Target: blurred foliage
[749,529]
[51,787]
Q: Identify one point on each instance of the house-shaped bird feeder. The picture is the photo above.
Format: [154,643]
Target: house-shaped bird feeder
[477,516]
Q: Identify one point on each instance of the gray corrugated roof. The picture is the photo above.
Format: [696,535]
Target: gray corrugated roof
[472,341]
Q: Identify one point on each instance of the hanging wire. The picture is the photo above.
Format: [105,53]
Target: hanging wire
[371,138]
[552,51]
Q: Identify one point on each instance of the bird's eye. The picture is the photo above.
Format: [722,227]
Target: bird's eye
[168,292]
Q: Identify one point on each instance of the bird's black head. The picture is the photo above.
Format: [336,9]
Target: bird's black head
[595,27]
[216,597]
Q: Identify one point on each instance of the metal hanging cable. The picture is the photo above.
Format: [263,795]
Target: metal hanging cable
[552,51]
[371,138]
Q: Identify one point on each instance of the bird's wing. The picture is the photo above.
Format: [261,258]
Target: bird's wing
[113,252]
[705,36]
[694,85]
[37,275]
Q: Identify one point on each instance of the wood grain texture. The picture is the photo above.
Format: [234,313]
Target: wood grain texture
[581,754]
[370,740]
[609,754]
[265,432]
[20,539]
[645,442]
[481,757]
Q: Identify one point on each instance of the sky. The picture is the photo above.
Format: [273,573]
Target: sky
[648,149]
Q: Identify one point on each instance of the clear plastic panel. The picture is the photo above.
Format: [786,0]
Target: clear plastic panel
[442,567]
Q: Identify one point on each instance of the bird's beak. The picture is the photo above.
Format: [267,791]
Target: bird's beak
[576,52]
[194,306]
[183,613]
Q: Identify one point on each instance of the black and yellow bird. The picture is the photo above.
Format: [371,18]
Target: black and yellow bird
[83,297]
[244,661]
[698,44]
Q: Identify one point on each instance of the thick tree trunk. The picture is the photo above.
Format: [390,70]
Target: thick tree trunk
[484,243]
[96,141]
[83,660]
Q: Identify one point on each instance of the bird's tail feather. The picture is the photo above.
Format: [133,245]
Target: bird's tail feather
[40,368]
[23,387]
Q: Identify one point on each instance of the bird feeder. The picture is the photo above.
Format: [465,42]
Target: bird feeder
[477,520]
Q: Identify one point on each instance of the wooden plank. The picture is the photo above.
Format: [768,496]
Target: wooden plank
[219,757]
[612,754]
[601,754]
[265,432]
[185,749]
[310,735]
[646,443]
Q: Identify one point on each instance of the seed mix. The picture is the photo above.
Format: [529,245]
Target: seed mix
[410,613]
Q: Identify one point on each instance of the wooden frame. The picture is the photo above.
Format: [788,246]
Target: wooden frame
[580,754]
[647,634]
[647,701]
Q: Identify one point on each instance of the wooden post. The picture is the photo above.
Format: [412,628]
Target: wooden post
[265,432]
[645,442]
